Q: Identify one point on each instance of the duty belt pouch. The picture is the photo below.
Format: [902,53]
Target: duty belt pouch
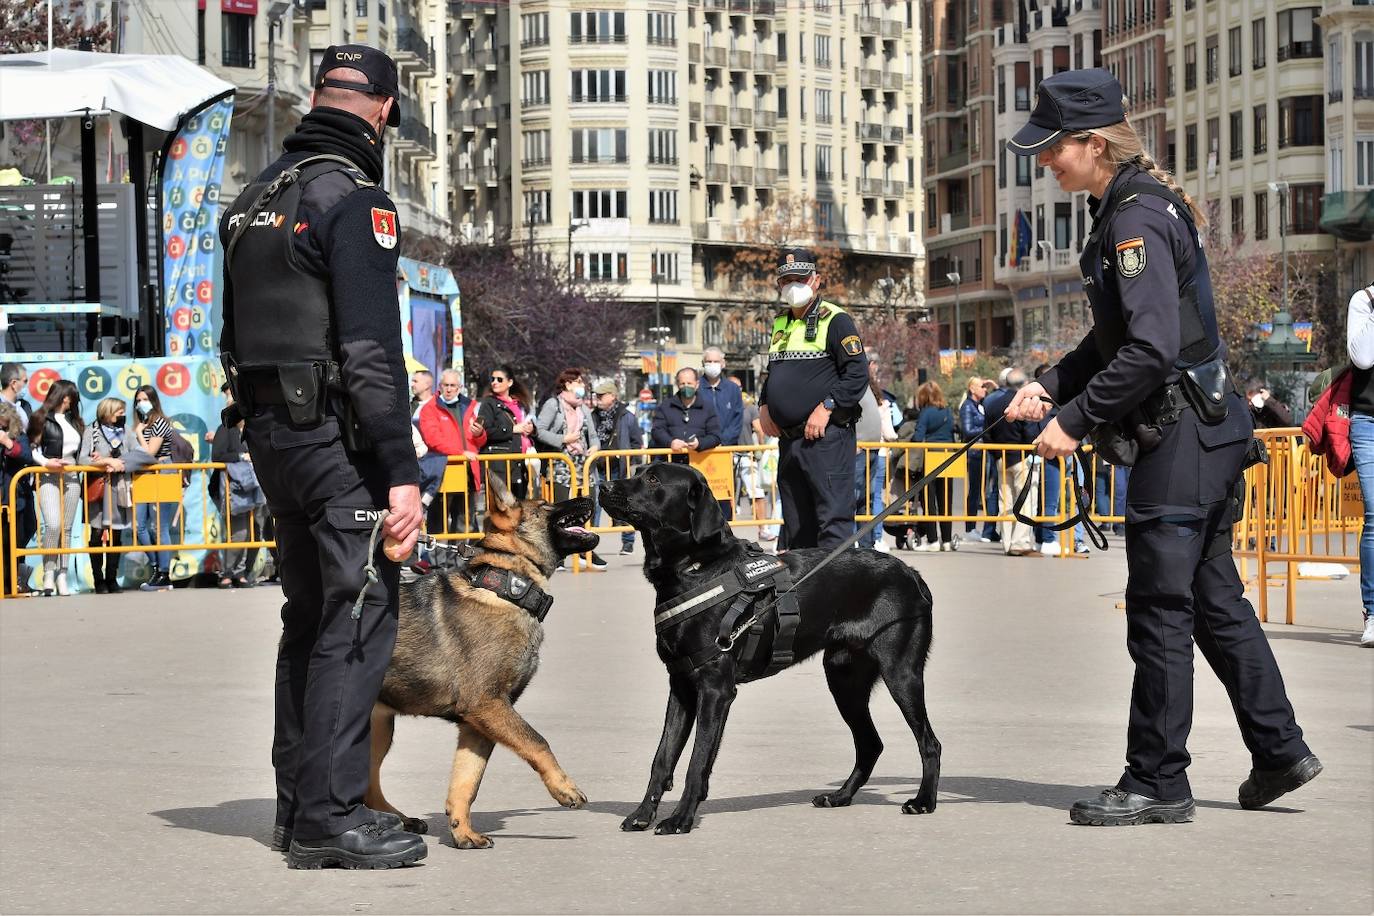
[302,387]
[1114,446]
[1206,386]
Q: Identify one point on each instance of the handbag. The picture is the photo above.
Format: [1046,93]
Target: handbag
[95,487]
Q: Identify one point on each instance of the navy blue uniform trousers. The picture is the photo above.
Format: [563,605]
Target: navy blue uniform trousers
[329,666]
[1183,588]
[816,483]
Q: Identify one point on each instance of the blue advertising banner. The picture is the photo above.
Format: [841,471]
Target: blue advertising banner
[191,254]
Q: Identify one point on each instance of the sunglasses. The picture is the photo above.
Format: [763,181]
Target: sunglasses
[499,378]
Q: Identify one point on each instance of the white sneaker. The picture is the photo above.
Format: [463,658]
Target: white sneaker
[881,547]
[49,588]
[1050,549]
[62,588]
[932,547]
[1367,640]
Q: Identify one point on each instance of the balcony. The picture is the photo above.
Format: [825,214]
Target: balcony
[473,178]
[870,187]
[413,53]
[765,178]
[955,160]
[713,57]
[740,6]
[414,139]
[870,79]
[473,60]
[1349,215]
[893,29]
[532,165]
[870,25]
[764,119]
[894,188]
[741,175]
[1335,95]
[870,132]
[663,100]
[468,9]
[764,7]
[607,159]
[741,117]
[895,135]
[608,39]
[716,114]
[741,60]
[717,172]
[608,99]
[894,82]
[486,117]
[765,61]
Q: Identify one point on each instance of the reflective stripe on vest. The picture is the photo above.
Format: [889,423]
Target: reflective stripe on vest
[789,335]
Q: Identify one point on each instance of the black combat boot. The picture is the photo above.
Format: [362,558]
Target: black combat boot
[1264,786]
[1119,808]
[281,833]
[369,845]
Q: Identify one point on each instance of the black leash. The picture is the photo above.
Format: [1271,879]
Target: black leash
[1077,461]
[1099,541]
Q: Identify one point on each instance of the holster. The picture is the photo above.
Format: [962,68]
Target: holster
[1206,386]
[355,437]
[1113,446]
[1255,453]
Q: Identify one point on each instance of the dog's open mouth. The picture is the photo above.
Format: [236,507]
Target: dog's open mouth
[574,521]
[570,521]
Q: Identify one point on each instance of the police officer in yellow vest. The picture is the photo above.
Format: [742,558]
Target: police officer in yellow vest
[817,371]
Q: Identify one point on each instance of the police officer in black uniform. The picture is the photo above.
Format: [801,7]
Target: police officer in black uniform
[1149,383]
[817,372]
[312,346]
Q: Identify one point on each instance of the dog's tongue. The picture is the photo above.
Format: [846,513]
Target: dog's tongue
[576,529]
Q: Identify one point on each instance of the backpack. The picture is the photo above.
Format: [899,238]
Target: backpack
[183,452]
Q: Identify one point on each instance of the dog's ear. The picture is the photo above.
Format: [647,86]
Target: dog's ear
[500,502]
[707,519]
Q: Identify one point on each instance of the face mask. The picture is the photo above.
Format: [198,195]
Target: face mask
[579,392]
[144,408]
[712,370]
[797,294]
[452,400]
[120,421]
[687,392]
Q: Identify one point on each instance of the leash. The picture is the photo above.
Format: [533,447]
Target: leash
[1077,462]
[428,541]
[725,643]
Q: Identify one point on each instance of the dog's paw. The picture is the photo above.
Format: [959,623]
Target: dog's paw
[919,805]
[674,824]
[642,819]
[472,841]
[568,795]
[832,800]
[414,825]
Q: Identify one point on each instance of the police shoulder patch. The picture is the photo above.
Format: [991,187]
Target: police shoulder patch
[852,345]
[384,227]
[1130,257]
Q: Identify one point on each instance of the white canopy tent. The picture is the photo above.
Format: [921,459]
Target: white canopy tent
[156,89]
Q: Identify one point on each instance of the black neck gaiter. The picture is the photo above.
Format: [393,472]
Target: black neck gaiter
[332,130]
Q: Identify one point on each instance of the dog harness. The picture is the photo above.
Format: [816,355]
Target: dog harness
[766,647]
[514,588]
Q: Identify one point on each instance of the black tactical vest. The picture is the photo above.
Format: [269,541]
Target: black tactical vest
[1200,341]
[281,306]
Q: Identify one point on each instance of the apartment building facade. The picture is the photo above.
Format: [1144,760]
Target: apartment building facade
[635,141]
[251,42]
[1347,28]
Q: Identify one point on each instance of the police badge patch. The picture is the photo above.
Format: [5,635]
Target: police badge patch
[852,345]
[384,227]
[1130,257]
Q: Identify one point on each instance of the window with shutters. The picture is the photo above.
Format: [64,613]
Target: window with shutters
[663,207]
[599,144]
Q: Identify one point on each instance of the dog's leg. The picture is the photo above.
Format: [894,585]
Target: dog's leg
[906,682]
[713,708]
[469,763]
[499,721]
[383,730]
[851,682]
[677,725]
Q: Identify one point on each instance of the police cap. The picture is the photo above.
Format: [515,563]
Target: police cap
[380,70]
[796,262]
[1069,102]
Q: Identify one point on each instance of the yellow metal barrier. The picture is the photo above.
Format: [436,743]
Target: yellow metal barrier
[1295,512]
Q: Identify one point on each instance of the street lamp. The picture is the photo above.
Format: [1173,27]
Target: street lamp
[573,226]
[1046,247]
[953,277]
[1281,189]
[275,12]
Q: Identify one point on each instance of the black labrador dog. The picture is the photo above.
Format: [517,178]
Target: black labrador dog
[870,613]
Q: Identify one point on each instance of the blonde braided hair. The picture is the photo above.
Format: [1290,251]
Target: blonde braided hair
[1124,145]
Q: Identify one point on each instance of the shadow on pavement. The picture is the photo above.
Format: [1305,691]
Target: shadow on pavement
[1335,637]
[245,817]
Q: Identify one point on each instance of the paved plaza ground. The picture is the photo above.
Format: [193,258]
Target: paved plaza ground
[134,770]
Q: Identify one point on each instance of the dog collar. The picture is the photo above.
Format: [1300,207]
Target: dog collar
[513,588]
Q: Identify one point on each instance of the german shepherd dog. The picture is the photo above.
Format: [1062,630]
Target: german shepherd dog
[466,654]
[869,613]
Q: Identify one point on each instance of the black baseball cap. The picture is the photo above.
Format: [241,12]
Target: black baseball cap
[380,70]
[1069,102]
[797,261]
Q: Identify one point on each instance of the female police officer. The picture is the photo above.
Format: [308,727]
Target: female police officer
[1151,376]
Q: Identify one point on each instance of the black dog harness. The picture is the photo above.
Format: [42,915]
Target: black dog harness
[767,646]
[516,589]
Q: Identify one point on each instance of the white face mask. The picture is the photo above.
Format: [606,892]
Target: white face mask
[712,370]
[797,294]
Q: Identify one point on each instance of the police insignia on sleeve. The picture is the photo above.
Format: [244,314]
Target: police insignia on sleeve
[384,227]
[852,345]
[1130,257]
